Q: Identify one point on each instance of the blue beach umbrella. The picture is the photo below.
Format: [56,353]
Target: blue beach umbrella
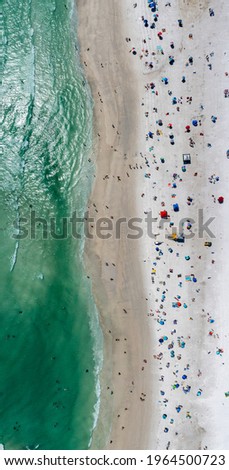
[195,123]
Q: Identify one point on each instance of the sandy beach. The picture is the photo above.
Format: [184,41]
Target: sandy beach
[158,79]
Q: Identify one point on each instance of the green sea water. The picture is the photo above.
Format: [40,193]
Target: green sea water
[49,333]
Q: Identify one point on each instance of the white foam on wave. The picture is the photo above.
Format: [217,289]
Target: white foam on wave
[14,257]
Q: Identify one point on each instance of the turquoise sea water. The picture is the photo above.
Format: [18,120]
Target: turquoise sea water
[48,324]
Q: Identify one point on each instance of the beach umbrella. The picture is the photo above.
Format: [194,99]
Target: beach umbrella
[195,123]
[221,199]
[164,214]
[176,207]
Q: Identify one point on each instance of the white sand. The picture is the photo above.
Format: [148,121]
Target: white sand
[132,338]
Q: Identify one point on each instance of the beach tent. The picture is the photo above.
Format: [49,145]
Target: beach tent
[176,207]
[186,158]
[164,214]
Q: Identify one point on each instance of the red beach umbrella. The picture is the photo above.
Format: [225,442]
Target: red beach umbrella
[164,214]
[221,199]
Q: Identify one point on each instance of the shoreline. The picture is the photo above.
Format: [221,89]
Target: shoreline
[150,398]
